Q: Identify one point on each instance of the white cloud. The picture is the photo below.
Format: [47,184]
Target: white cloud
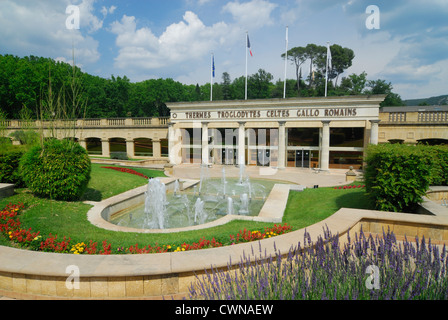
[187,40]
[38,28]
[253,14]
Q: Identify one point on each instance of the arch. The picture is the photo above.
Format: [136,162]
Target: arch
[396,141]
[117,145]
[143,147]
[433,142]
[94,146]
[164,148]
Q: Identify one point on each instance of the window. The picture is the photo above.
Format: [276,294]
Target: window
[347,137]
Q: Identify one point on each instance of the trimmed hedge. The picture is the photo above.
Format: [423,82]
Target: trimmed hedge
[438,156]
[9,164]
[60,170]
[398,176]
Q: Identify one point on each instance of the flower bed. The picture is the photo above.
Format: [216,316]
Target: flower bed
[363,268]
[350,187]
[126,170]
[11,227]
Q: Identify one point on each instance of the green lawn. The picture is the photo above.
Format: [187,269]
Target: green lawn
[106,183]
[70,219]
[314,205]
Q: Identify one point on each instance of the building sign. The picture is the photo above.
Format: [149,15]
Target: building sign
[277,114]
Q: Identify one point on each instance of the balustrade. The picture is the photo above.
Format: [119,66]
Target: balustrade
[91,123]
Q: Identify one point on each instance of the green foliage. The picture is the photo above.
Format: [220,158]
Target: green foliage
[25,85]
[59,170]
[119,155]
[26,137]
[398,176]
[9,164]
[438,155]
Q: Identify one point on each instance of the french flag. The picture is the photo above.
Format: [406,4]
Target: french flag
[248,46]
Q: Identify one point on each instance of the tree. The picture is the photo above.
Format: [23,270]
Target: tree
[382,87]
[315,54]
[298,56]
[259,85]
[226,83]
[342,59]
[354,84]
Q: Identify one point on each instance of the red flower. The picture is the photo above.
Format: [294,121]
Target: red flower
[126,170]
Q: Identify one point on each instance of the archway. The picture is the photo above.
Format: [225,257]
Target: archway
[94,146]
[433,142]
[143,147]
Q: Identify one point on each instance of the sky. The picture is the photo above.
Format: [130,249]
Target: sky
[147,39]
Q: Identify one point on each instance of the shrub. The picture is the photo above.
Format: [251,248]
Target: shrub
[59,170]
[438,155]
[397,176]
[119,155]
[9,164]
[331,270]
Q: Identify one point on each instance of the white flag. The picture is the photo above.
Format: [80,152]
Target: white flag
[329,58]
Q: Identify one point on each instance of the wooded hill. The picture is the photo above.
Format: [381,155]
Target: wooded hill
[31,84]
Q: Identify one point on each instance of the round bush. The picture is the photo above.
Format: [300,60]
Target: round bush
[9,164]
[59,170]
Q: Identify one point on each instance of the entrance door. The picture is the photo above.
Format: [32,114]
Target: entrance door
[264,158]
[303,158]
[228,156]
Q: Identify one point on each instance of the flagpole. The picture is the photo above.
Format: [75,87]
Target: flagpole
[286,61]
[326,72]
[211,77]
[247,48]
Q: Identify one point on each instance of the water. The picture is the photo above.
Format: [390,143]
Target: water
[207,201]
[155,205]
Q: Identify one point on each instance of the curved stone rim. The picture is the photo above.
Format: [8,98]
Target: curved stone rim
[277,200]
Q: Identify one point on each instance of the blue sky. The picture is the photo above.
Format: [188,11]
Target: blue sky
[145,39]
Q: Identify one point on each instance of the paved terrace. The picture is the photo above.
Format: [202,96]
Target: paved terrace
[37,275]
[304,177]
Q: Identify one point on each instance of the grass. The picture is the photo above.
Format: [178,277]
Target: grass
[106,183]
[314,205]
[70,218]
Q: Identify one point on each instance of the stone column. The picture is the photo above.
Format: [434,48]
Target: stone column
[156,148]
[374,131]
[105,146]
[83,143]
[281,145]
[171,142]
[130,148]
[325,147]
[242,143]
[205,148]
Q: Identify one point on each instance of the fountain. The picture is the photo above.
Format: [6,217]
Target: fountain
[155,204]
[200,216]
[176,188]
[242,171]
[201,203]
[244,207]
[229,206]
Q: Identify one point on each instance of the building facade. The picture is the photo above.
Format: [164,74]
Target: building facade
[320,133]
[413,125]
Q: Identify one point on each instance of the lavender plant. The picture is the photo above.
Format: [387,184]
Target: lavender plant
[328,269]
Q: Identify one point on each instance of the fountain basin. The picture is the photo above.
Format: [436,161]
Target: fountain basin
[102,212]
